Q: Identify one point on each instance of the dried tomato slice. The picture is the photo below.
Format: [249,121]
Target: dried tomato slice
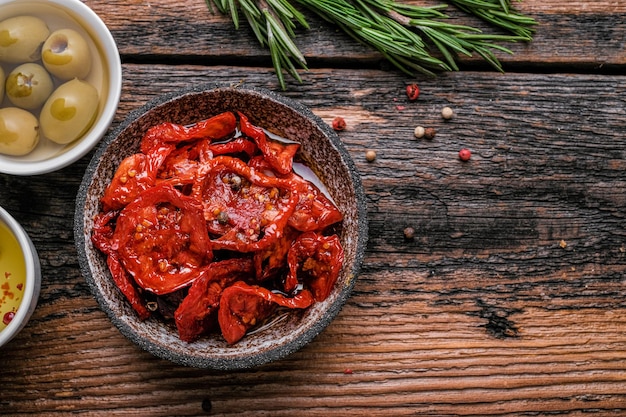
[102,238]
[243,306]
[133,176]
[127,286]
[316,261]
[272,261]
[181,165]
[162,240]
[279,156]
[198,312]
[102,232]
[246,209]
[216,127]
[206,187]
[236,146]
[314,211]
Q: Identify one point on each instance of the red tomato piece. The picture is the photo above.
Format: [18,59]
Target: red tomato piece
[278,155]
[181,165]
[162,240]
[216,127]
[243,306]
[127,287]
[131,178]
[271,261]
[316,261]
[102,233]
[198,312]
[245,209]
[235,146]
[314,211]
[102,238]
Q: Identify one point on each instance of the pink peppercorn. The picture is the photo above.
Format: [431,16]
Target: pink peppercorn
[6,319]
[339,123]
[412,91]
[465,154]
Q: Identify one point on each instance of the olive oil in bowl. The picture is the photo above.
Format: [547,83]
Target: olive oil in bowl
[12,276]
[20,277]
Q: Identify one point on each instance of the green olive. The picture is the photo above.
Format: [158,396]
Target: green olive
[19,131]
[28,86]
[21,38]
[1,84]
[66,54]
[69,112]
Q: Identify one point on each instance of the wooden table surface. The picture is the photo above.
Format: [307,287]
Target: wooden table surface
[509,300]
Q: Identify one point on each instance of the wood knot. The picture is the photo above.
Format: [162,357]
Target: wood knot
[498,323]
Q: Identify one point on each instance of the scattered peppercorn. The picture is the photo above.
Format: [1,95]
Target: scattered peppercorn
[412,91]
[409,233]
[339,123]
[370,156]
[447,113]
[419,132]
[465,154]
[348,371]
[430,132]
[207,406]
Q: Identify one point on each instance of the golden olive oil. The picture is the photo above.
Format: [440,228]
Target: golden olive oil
[12,276]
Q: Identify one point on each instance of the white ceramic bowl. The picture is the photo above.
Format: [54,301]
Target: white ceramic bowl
[105,75]
[28,292]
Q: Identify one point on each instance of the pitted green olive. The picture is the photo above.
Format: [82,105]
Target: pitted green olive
[19,131]
[21,38]
[66,54]
[1,84]
[69,112]
[28,86]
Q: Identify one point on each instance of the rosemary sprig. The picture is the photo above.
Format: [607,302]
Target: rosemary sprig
[408,36]
[499,13]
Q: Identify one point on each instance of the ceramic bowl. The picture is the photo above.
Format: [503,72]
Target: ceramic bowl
[105,75]
[325,153]
[20,277]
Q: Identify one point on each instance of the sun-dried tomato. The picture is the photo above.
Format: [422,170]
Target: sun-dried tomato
[198,312]
[102,238]
[314,210]
[162,239]
[205,189]
[246,209]
[315,261]
[236,146]
[278,155]
[216,127]
[243,306]
[133,176]
[272,261]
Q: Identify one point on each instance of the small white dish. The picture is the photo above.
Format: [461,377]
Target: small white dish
[20,279]
[105,75]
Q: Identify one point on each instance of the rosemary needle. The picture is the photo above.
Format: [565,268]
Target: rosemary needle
[415,39]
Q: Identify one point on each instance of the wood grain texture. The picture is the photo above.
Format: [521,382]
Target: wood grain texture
[508,301]
[586,34]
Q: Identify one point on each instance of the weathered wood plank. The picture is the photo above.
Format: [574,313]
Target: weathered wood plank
[482,313]
[586,34]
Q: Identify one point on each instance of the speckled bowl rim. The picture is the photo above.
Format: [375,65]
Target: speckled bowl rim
[265,356]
